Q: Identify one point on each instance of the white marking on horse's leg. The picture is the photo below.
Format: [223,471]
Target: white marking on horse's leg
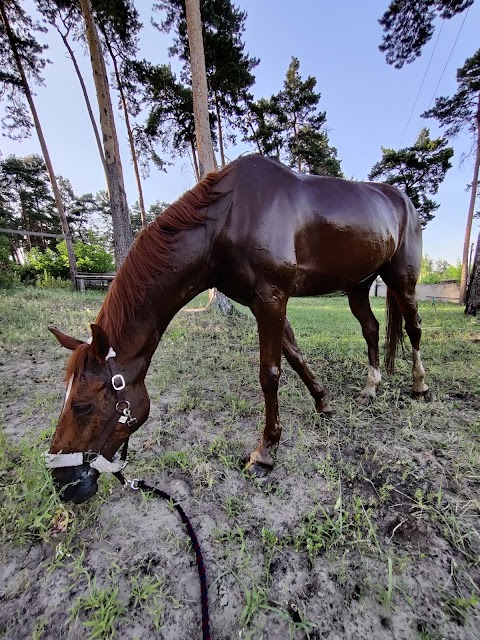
[373,380]
[418,373]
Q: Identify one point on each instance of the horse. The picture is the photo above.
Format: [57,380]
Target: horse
[260,233]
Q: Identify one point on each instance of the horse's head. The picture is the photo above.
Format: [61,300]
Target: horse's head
[106,401]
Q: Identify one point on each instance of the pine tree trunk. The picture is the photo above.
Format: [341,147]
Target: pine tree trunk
[43,145]
[220,132]
[86,98]
[143,215]
[471,212]
[195,163]
[199,87]
[473,293]
[206,159]
[26,222]
[122,230]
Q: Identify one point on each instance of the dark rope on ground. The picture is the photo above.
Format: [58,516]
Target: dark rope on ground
[140,484]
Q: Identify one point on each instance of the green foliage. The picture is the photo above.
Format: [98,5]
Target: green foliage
[432,272]
[28,504]
[418,171]
[91,258]
[27,200]
[290,127]
[21,34]
[228,67]
[409,25]
[459,112]
[104,610]
[8,271]
[170,119]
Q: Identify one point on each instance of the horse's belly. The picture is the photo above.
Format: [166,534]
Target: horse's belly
[317,284]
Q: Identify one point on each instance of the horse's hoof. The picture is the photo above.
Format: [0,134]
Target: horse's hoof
[422,396]
[366,399]
[324,408]
[257,470]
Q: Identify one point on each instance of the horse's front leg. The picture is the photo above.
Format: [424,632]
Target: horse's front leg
[271,322]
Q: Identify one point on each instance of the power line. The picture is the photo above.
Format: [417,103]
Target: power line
[421,85]
[448,59]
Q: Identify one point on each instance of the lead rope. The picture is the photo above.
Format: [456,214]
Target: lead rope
[140,484]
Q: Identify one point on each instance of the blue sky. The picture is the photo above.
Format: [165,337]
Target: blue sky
[367,102]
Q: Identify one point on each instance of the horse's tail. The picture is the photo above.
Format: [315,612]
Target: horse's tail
[394,333]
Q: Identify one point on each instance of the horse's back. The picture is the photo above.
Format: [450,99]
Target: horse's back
[328,232]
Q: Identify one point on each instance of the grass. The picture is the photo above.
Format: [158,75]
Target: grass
[368,516]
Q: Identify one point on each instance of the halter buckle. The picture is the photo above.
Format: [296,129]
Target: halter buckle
[89,456]
[118,382]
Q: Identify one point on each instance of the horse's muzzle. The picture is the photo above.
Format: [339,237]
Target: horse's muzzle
[76,484]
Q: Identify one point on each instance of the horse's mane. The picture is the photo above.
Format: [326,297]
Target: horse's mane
[151,254]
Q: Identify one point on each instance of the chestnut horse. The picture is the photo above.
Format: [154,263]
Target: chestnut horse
[260,233]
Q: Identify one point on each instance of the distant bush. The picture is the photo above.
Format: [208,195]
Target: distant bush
[41,265]
[433,272]
[8,268]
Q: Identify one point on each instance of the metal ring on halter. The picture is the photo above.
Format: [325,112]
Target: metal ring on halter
[125,410]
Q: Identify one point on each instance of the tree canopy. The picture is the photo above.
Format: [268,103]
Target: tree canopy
[409,24]
[16,121]
[459,112]
[418,171]
[290,126]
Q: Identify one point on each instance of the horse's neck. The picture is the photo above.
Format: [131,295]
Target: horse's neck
[142,327]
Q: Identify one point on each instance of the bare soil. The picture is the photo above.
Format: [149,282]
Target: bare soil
[367,528]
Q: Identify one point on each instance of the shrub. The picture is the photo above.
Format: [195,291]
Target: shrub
[90,257]
[8,269]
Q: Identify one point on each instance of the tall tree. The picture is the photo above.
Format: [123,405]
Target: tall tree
[64,17]
[120,25]
[418,171]
[28,201]
[170,120]
[228,67]
[291,127]
[120,215]
[206,159]
[409,24]
[462,113]
[473,292]
[18,79]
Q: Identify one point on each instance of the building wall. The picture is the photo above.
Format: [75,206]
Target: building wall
[442,292]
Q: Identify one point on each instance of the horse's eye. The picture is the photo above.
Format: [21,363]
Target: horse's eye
[81,409]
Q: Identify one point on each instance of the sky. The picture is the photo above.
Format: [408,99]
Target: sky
[368,104]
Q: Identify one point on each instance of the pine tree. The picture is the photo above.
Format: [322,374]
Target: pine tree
[290,126]
[170,120]
[16,37]
[409,24]
[228,67]
[418,171]
[122,230]
[462,113]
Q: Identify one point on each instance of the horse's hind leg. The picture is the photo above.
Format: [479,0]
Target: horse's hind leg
[360,307]
[402,287]
[297,361]
[407,303]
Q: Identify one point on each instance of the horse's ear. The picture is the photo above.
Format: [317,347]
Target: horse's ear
[66,341]
[100,345]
